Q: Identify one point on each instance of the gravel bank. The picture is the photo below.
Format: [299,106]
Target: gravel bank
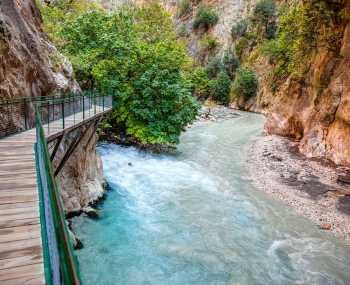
[309,186]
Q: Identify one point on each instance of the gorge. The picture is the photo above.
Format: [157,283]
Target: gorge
[244,95]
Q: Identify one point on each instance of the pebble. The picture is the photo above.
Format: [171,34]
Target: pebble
[326,226]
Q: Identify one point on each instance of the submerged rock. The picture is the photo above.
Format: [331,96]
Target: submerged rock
[91,212]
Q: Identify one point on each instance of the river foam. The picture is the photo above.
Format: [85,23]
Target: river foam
[194,218]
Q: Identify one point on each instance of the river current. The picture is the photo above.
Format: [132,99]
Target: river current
[193,217]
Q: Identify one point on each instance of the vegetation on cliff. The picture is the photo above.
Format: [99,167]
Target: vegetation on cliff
[134,53]
[289,46]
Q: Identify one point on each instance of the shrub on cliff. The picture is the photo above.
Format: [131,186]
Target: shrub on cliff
[303,27]
[245,83]
[205,17]
[264,10]
[230,63]
[199,82]
[214,66]
[220,88]
[134,53]
[208,43]
[184,8]
[239,29]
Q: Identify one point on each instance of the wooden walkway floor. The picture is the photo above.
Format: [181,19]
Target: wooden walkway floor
[21,258]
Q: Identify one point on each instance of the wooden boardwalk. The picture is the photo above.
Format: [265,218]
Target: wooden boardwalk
[21,258]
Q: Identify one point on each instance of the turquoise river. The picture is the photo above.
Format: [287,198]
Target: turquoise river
[193,217]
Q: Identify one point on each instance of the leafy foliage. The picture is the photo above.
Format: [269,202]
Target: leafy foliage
[205,17]
[220,88]
[57,15]
[214,66]
[133,52]
[184,8]
[209,43]
[239,29]
[264,10]
[200,83]
[303,28]
[245,84]
[230,63]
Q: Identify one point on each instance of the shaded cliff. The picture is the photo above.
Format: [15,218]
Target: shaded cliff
[30,65]
[310,101]
[316,109]
[81,179]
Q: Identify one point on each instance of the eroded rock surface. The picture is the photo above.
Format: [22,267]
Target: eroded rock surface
[81,179]
[30,65]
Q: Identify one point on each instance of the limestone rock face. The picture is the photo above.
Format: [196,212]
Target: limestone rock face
[320,120]
[229,12]
[29,65]
[81,179]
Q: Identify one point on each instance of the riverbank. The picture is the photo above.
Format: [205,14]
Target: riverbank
[309,186]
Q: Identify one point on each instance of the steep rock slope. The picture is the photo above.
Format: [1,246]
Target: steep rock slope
[229,12]
[321,120]
[29,65]
[314,109]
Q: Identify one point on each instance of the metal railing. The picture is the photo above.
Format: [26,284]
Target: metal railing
[55,111]
[60,263]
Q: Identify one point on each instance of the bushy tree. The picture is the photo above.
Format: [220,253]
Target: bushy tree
[230,63]
[239,29]
[214,66]
[184,7]
[205,17]
[221,88]
[245,84]
[264,10]
[133,52]
[199,82]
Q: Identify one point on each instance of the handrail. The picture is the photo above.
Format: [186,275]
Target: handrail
[57,96]
[60,262]
[17,115]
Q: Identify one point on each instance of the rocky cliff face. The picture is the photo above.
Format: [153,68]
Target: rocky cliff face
[81,179]
[229,12]
[318,117]
[29,65]
[321,120]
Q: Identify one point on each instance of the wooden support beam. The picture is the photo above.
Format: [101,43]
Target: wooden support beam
[71,149]
[58,142]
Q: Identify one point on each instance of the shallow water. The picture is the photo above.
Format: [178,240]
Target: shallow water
[194,218]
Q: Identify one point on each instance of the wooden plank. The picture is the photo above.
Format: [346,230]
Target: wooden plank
[20,248]
[19,223]
[17,185]
[18,214]
[19,205]
[19,199]
[34,258]
[22,271]
[28,280]
[19,233]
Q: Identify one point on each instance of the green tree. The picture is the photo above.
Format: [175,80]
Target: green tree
[134,53]
[245,84]
[221,88]
[205,17]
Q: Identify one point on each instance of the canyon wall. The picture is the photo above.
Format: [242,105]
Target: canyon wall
[320,119]
[31,66]
[315,109]
[81,179]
